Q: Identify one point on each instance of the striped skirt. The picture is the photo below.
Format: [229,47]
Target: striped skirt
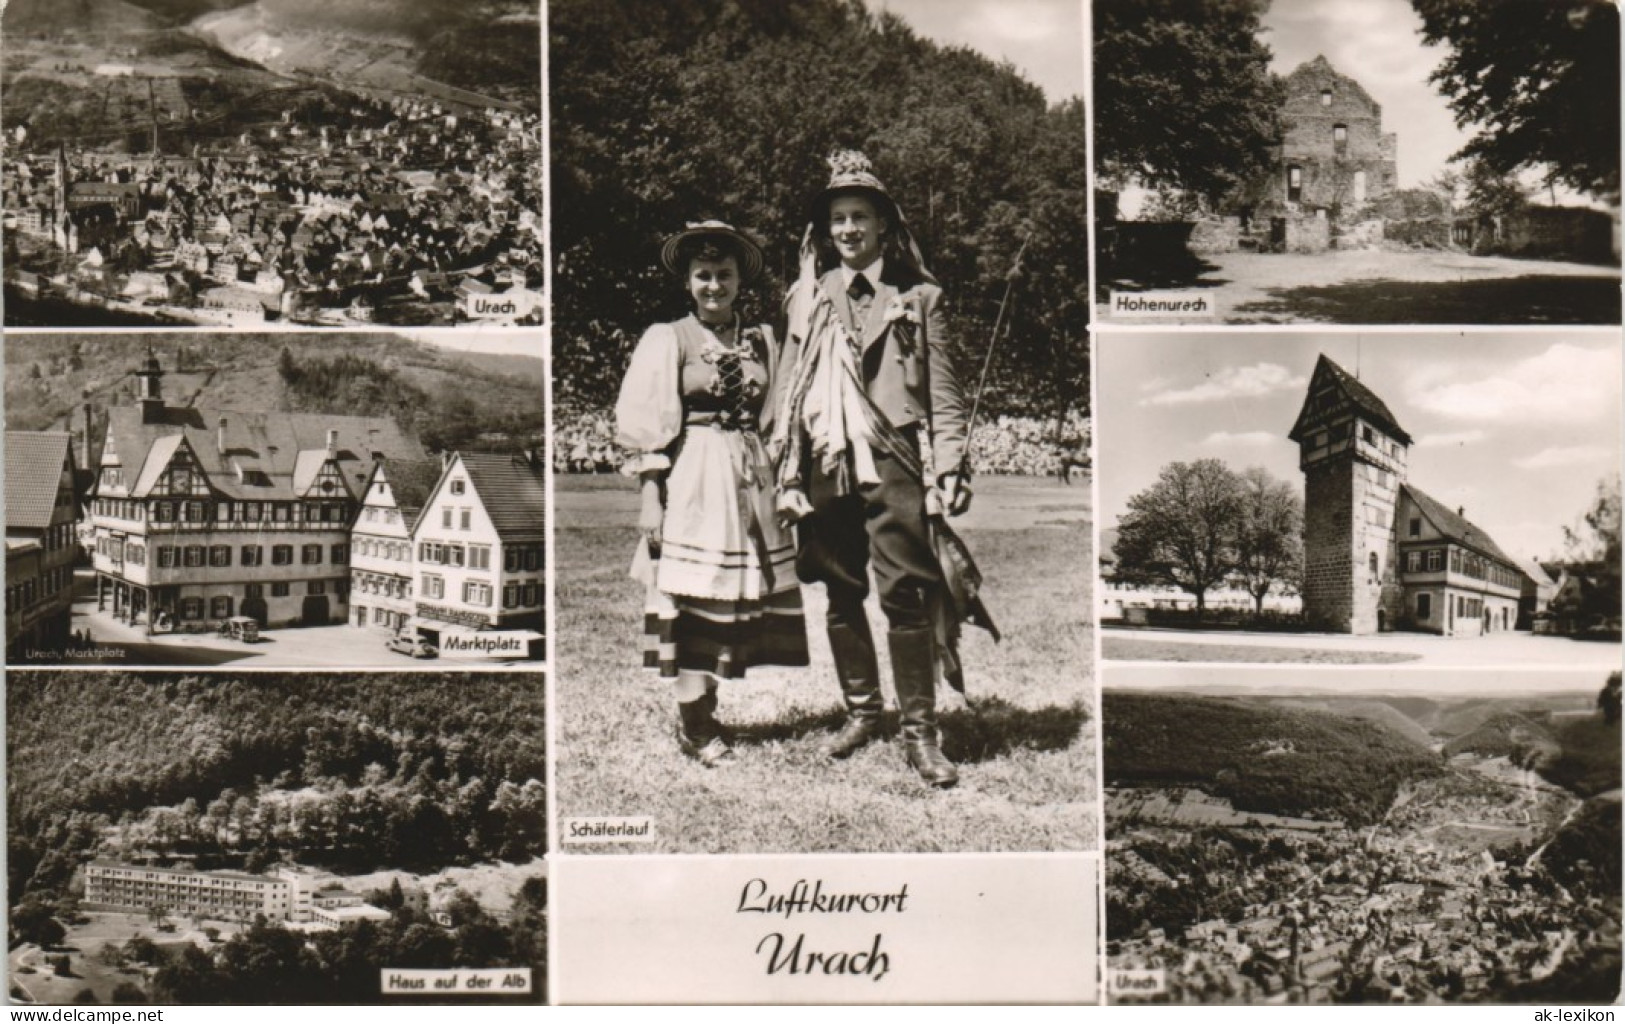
[722,596]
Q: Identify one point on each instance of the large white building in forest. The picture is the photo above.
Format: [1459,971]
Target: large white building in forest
[284,894]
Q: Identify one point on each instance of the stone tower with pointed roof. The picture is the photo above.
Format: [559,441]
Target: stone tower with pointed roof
[1378,552]
[1352,452]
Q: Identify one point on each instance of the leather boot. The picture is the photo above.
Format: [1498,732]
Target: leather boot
[859,674]
[914,672]
[699,735]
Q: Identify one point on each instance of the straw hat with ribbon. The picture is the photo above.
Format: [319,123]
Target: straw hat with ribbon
[726,236]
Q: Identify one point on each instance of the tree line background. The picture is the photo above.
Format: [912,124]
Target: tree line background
[1186,103]
[664,113]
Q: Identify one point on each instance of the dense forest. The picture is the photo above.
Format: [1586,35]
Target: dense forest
[359,771]
[452,401]
[1261,758]
[664,113]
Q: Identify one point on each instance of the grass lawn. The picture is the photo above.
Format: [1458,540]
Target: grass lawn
[1114,648]
[1026,751]
[1377,286]
[1529,299]
[83,944]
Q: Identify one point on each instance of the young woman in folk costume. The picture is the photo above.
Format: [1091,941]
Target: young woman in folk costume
[869,438]
[719,570]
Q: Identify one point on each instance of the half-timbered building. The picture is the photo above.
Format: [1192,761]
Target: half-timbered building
[200,515]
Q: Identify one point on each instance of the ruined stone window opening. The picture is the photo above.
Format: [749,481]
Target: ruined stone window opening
[1325,97]
[1340,133]
[1376,568]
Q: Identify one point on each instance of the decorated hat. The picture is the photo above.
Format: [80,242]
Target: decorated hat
[728,237]
[852,173]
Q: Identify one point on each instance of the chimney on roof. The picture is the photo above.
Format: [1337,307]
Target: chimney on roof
[1461,510]
[220,436]
[86,463]
[332,441]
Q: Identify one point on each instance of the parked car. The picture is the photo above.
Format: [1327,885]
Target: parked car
[239,627]
[404,643]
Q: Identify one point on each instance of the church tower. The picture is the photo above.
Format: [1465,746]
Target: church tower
[1352,452]
[150,388]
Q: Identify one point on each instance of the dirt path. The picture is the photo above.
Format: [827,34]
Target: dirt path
[1395,288]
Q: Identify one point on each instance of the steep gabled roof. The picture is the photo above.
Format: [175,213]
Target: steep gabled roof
[1319,68]
[267,441]
[411,483]
[513,491]
[1537,572]
[159,456]
[1458,527]
[34,464]
[1361,397]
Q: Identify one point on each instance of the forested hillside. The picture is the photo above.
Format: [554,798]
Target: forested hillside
[673,112]
[466,401]
[1270,759]
[358,771]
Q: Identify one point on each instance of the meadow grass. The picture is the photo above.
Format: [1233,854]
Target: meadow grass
[1026,744]
[1115,648]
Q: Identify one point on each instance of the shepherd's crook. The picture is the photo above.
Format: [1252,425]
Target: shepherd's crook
[987,361]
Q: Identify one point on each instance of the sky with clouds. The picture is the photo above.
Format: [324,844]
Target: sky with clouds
[1378,43]
[1042,38]
[1517,427]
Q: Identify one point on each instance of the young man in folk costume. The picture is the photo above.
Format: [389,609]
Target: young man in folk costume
[870,437]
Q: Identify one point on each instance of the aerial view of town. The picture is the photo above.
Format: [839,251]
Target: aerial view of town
[216,162]
[197,499]
[274,838]
[1273,843]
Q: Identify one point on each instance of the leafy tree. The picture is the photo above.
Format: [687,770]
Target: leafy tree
[1492,193]
[1182,531]
[1596,538]
[35,921]
[977,159]
[129,993]
[1608,699]
[1538,80]
[1183,94]
[1593,544]
[1269,536]
[143,950]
